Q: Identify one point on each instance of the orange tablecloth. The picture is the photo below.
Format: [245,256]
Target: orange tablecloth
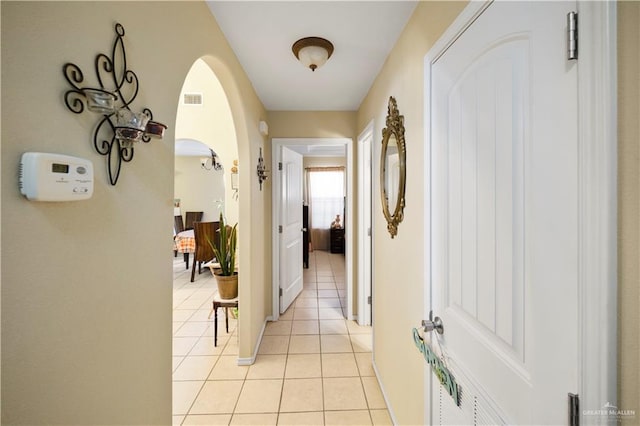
[185,242]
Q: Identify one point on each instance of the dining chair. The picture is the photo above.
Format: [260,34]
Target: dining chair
[192,217]
[178,227]
[203,233]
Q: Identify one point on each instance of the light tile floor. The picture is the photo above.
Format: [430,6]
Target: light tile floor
[313,366]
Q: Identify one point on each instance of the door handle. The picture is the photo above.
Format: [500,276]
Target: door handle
[304,230]
[433,324]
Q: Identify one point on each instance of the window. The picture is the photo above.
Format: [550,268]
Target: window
[326,189]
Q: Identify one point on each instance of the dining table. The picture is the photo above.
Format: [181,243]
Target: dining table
[185,242]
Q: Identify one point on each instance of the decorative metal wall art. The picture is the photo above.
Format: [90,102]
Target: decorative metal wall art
[120,127]
[262,170]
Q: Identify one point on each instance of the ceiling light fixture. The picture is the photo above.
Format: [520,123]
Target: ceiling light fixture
[313,52]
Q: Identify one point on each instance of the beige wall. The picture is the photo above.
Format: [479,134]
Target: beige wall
[212,124]
[198,189]
[629,208]
[87,286]
[312,124]
[399,364]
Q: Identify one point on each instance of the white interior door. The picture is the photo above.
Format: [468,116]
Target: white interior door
[291,223]
[504,217]
[365,278]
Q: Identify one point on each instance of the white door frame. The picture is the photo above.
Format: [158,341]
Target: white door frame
[597,85]
[365,166]
[276,145]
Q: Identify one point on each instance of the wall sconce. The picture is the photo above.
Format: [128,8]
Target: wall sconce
[313,52]
[120,127]
[235,184]
[212,162]
[262,170]
[234,176]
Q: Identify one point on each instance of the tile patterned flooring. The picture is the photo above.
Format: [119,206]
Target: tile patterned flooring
[313,366]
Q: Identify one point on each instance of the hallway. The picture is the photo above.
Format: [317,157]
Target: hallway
[313,366]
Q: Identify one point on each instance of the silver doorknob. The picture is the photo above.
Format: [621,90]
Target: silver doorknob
[304,229]
[433,324]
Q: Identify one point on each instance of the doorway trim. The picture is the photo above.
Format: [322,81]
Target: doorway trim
[276,157]
[597,132]
[365,230]
[597,195]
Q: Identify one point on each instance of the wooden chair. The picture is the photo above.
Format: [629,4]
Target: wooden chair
[178,227]
[204,252]
[192,217]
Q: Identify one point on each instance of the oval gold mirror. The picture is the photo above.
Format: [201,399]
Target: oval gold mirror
[393,168]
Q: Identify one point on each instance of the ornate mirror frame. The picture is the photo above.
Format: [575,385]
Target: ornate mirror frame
[394,127]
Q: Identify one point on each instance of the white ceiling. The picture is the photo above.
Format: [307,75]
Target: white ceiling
[261,34]
[191,148]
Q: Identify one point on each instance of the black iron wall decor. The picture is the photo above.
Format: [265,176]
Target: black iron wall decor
[120,127]
[262,170]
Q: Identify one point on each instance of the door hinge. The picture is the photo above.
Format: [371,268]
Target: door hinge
[574,409]
[279,229]
[572,35]
[368,300]
[280,165]
[368,232]
[281,292]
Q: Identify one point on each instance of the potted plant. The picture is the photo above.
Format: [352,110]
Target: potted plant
[225,253]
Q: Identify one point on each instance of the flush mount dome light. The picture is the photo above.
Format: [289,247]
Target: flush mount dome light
[313,52]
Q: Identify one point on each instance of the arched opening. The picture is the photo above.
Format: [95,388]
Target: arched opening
[204,116]
[206,155]
[241,348]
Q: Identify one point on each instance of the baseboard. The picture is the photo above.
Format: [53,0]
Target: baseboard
[384,394]
[252,359]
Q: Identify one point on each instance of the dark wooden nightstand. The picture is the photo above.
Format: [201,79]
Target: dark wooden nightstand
[337,240]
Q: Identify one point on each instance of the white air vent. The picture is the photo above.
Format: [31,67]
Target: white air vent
[475,406]
[192,99]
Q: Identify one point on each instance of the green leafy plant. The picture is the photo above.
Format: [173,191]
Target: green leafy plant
[225,251]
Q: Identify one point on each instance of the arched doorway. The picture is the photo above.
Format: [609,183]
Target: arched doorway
[204,123]
[204,115]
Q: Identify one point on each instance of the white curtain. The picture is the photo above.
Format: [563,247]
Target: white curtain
[326,201]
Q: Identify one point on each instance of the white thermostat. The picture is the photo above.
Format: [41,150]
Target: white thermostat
[55,177]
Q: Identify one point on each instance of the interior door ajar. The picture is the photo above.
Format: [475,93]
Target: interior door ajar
[503,267]
[290,228]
